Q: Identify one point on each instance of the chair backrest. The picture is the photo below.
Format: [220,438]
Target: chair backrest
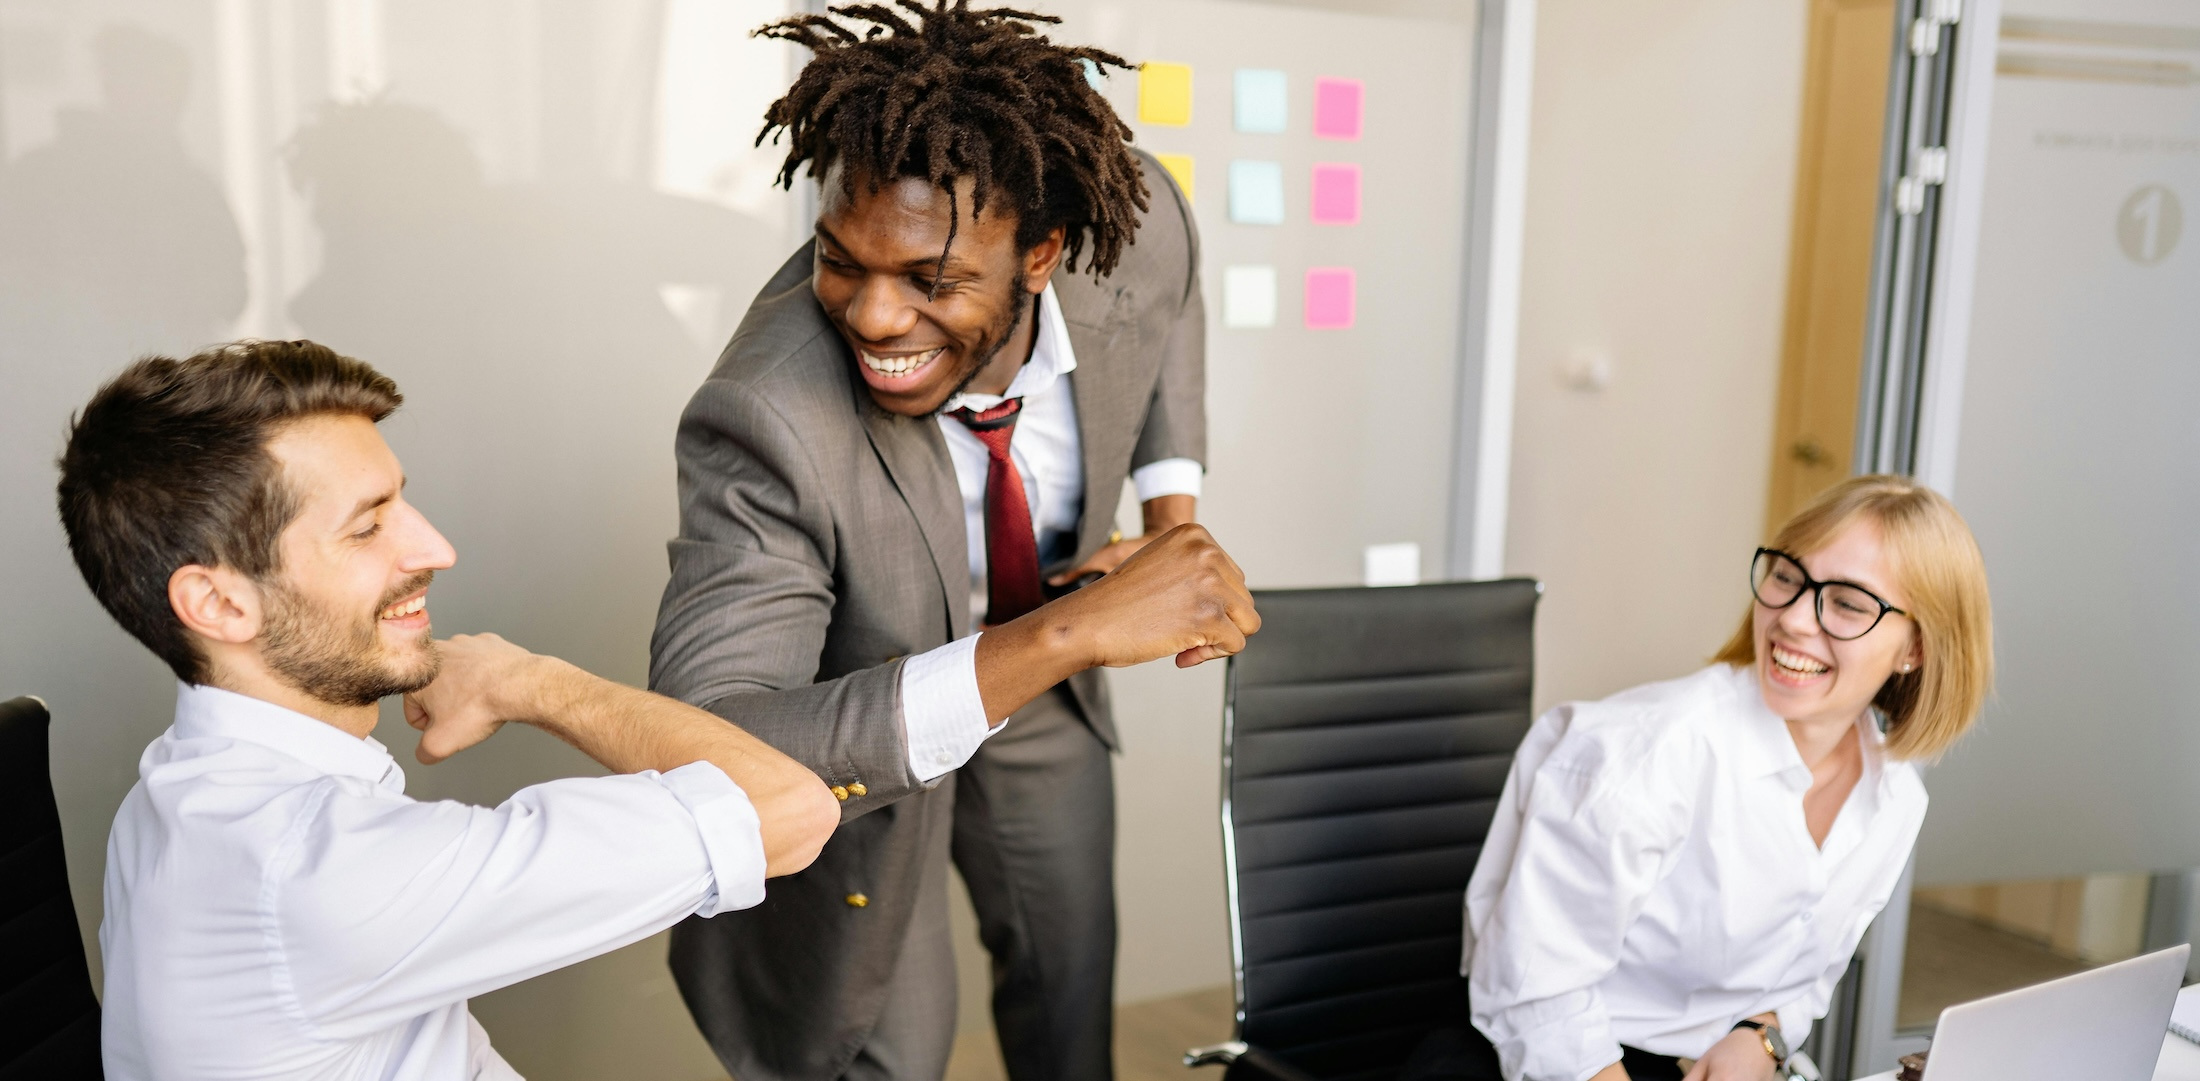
[1366,738]
[49,1019]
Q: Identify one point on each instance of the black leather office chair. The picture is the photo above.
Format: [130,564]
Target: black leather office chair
[49,1019]
[1366,738]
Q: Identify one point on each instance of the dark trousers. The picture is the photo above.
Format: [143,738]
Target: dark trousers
[1034,838]
[1464,1054]
[1035,841]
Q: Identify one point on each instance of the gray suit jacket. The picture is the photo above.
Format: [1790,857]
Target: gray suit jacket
[821,542]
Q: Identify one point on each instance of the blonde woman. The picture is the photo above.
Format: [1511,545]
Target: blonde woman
[1678,874]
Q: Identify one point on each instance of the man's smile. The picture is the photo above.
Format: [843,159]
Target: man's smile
[408,614]
[898,373]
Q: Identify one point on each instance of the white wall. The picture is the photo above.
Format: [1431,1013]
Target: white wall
[1660,179]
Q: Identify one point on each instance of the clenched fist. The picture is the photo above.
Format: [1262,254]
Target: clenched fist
[484,682]
[1181,595]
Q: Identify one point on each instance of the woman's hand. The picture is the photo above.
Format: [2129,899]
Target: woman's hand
[1740,1056]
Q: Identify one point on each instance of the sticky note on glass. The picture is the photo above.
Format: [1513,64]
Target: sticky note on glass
[1336,194]
[1248,297]
[1329,297]
[1256,192]
[1258,101]
[1180,168]
[1165,94]
[1336,107]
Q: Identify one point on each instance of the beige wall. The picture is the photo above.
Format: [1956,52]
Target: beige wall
[1660,177]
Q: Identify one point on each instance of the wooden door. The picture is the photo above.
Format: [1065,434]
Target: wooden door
[1829,271]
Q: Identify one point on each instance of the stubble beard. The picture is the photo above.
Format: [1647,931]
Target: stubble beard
[338,660]
[1019,300]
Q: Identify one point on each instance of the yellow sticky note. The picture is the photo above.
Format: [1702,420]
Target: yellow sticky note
[1180,167]
[1164,93]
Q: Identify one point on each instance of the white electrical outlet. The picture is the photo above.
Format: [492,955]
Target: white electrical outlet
[1391,564]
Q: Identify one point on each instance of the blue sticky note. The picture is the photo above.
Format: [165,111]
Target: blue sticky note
[1260,101]
[1256,192]
[1094,77]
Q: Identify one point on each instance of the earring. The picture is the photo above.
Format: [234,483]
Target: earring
[1905,669]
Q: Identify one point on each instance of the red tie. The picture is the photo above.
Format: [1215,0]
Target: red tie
[1011,548]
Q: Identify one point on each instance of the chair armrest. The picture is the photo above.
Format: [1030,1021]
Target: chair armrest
[1245,1063]
[1221,1054]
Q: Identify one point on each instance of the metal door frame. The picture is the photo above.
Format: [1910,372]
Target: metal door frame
[1489,323]
[1909,409]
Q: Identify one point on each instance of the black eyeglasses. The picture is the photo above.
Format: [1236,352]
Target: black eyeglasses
[1846,611]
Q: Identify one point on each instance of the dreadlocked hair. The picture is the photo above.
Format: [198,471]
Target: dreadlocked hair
[944,91]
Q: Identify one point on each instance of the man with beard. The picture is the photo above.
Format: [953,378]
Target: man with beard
[920,430]
[275,906]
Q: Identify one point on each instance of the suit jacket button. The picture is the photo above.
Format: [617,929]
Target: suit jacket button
[857,789]
[840,793]
[857,900]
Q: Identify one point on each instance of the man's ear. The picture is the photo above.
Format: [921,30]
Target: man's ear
[1040,261]
[216,603]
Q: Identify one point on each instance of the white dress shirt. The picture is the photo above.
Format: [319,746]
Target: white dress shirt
[941,712]
[277,908]
[1649,878]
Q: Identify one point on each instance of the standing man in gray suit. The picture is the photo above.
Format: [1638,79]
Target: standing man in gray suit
[921,431]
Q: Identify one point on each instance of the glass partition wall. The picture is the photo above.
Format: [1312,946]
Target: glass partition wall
[2031,355]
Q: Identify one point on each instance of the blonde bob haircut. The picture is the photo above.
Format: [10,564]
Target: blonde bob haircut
[1938,568]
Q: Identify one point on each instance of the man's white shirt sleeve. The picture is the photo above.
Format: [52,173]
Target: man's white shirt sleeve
[392,909]
[942,714]
[1169,476]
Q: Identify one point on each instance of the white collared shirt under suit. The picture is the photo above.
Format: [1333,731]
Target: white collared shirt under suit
[941,710]
[1649,878]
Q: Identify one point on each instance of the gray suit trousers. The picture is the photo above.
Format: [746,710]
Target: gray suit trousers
[1034,838]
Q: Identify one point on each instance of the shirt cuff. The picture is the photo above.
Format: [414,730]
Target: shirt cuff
[941,712]
[1169,476]
[1794,1025]
[1568,1038]
[733,835]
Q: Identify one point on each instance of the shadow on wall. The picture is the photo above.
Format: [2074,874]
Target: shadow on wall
[113,242]
[542,368]
[544,371]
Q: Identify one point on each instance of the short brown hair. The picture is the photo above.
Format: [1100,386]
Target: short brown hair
[1937,564]
[167,466]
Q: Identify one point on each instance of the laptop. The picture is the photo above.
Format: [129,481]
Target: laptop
[2105,1024]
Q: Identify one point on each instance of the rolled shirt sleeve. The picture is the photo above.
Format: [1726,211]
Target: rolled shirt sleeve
[1169,476]
[733,835]
[942,713]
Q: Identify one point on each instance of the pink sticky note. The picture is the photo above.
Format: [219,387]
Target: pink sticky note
[1336,194]
[1329,297]
[1337,108]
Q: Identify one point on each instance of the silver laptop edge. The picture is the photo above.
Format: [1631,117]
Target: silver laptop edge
[2104,1024]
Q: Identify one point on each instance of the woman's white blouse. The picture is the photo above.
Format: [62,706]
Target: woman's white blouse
[1649,879]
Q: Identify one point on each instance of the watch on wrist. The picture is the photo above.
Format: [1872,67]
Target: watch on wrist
[1774,1043]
